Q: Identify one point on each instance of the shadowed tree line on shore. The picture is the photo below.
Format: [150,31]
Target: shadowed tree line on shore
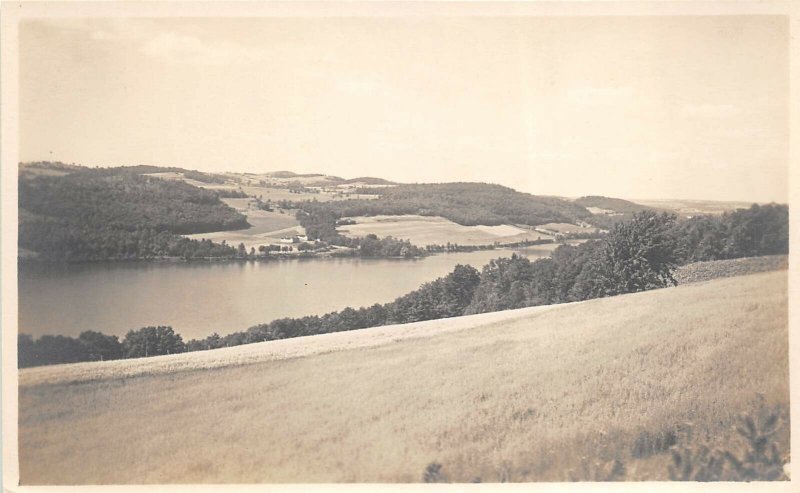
[96,346]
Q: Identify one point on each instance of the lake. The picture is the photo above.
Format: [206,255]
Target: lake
[198,298]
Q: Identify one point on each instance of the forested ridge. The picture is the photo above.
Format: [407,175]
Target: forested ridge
[468,204]
[610,203]
[117,213]
[637,255]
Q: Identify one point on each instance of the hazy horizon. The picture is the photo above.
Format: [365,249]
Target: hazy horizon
[685,108]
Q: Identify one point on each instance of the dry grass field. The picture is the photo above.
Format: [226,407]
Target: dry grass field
[692,207]
[425,230]
[267,226]
[564,228]
[548,394]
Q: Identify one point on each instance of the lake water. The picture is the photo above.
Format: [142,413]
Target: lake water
[198,298]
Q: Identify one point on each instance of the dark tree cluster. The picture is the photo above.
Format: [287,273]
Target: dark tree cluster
[98,214]
[759,230]
[231,194]
[64,242]
[51,350]
[152,341]
[636,255]
[455,247]
[96,346]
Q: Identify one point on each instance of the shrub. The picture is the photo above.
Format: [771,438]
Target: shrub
[758,458]
[433,473]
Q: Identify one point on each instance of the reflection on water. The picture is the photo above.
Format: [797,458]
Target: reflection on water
[198,298]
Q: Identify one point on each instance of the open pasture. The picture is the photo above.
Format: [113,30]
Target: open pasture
[424,230]
[267,226]
[694,207]
[519,399]
[565,228]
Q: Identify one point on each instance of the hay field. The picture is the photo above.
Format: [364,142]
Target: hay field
[425,230]
[692,207]
[519,399]
[267,226]
[564,228]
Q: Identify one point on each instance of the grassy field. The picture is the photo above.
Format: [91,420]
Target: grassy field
[693,207]
[424,230]
[267,226]
[544,394]
[564,228]
[715,269]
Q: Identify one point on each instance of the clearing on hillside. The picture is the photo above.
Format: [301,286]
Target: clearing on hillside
[521,398]
[267,227]
[433,230]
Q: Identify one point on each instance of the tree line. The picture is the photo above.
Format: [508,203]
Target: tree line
[636,255]
[96,346]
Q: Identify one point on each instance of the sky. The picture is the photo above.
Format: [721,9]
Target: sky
[633,107]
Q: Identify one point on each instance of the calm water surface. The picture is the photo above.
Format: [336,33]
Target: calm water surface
[199,298]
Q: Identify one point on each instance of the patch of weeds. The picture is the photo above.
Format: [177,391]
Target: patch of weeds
[649,443]
[433,474]
[758,457]
[599,470]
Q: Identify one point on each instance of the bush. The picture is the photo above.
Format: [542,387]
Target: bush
[433,473]
[758,458]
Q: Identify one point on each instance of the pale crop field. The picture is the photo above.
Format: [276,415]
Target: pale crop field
[521,398]
[564,228]
[267,227]
[425,230]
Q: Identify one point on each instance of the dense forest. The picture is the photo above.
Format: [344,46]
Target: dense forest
[468,204]
[637,255]
[117,213]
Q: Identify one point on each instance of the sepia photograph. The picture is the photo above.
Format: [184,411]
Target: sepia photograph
[396,243]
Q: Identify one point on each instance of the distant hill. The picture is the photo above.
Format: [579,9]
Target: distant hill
[369,180]
[304,177]
[111,213]
[612,204]
[59,168]
[290,174]
[468,204]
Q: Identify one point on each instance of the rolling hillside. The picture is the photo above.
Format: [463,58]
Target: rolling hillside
[611,204]
[468,204]
[69,213]
[519,395]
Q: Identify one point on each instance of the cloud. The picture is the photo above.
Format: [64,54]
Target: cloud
[710,110]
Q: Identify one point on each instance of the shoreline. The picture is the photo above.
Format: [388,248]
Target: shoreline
[290,256]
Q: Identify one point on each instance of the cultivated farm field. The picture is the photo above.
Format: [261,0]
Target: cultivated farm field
[267,226]
[431,230]
[556,393]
